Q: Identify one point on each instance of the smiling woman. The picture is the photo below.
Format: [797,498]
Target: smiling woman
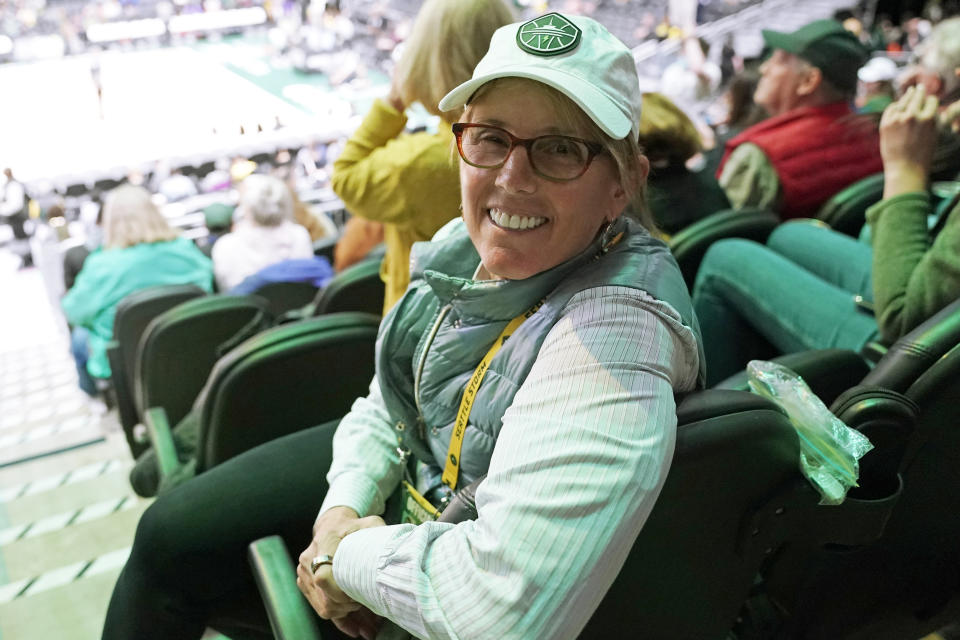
[523,220]
[566,430]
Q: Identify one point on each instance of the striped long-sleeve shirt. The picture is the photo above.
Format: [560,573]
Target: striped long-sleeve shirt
[579,462]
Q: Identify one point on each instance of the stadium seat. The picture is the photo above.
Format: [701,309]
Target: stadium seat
[733,499]
[904,585]
[106,184]
[846,211]
[76,189]
[325,246]
[279,381]
[179,348]
[282,297]
[691,243]
[133,314]
[356,288]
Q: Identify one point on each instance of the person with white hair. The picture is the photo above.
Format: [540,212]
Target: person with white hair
[264,232]
[939,56]
[140,249]
[935,70]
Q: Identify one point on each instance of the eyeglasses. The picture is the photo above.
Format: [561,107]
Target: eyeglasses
[557,158]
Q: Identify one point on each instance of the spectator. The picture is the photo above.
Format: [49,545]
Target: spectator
[359,238]
[264,232]
[587,380]
[409,182]
[315,271]
[139,250]
[13,206]
[739,113]
[812,288]
[676,195]
[303,216]
[939,56]
[875,90]
[691,78]
[177,186]
[218,219]
[811,147]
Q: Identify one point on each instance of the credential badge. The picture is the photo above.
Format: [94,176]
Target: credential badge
[548,35]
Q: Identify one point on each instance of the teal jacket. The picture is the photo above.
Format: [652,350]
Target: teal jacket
[456,319]
[109,275]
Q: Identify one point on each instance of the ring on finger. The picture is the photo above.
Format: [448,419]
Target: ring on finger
[319,561]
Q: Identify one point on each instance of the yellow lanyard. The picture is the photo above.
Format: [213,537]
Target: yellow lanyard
[452,469]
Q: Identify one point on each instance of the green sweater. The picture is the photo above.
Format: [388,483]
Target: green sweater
[109,275]
[912,277]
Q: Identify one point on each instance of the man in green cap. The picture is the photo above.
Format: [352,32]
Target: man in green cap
[811,147]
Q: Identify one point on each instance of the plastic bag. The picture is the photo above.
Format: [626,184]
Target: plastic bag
[829,449]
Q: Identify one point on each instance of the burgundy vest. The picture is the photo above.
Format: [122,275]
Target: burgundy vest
[816,151]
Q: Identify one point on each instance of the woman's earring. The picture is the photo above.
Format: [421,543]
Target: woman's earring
[605,230]
[607,242]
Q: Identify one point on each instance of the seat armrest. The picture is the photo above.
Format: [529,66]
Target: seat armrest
[161,437]
[691,243]
[828,372]
[873,351]
[915,352]
[291,617]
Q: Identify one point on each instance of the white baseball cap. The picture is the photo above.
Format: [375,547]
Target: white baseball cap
[878,69]
[575,55]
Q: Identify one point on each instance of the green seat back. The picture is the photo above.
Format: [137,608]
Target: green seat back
[180,347]
[283,380]
[356,288]
[846,210]
[133,314]
[689,245]
[282,297]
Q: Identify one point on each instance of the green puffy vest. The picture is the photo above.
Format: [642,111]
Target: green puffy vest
[432,340]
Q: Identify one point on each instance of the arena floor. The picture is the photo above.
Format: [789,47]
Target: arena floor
[163,103]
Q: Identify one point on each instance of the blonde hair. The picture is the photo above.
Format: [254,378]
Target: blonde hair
[265,201]
[666,132]
[130,218]
[625,153]
[447,40]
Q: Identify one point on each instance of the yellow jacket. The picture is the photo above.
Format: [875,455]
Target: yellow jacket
[408,182]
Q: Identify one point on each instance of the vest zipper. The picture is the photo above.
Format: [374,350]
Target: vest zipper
[421,423]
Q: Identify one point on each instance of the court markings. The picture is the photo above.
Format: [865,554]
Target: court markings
[63,575]
[49,483]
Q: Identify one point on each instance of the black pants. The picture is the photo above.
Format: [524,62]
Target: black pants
[16,222]
[188,567]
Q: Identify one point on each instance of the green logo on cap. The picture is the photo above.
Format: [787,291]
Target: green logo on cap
[548,35]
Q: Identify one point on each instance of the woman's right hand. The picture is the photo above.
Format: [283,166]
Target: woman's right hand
[320,587]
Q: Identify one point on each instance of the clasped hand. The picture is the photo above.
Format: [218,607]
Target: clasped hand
[321,589]
[908,136]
